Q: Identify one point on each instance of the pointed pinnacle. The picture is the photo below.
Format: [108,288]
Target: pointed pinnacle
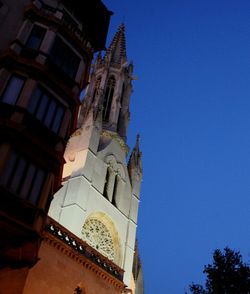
[121,27]
[137,141]
[135,157]
[117,48]
[99,55]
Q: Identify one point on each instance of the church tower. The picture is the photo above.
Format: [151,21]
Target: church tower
[99,199]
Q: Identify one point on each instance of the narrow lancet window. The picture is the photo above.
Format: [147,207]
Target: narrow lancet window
[106,186]
[115,191]
[120,112]
[108,99]
[123,93]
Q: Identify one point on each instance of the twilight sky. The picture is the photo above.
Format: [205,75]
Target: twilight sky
[191,105]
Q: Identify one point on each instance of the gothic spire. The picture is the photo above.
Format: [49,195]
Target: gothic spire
[135,158]
[135,168]
[117,49]
[110,87]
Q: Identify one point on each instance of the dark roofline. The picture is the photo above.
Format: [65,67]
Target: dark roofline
[95,18]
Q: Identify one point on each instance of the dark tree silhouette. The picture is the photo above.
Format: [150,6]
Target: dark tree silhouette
[226,275]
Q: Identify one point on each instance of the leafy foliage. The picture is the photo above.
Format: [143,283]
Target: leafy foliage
[226,275]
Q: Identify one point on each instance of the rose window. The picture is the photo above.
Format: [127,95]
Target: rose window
[96,234]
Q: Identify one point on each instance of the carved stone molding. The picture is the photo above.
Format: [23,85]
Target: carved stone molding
[117,138]
[78,250]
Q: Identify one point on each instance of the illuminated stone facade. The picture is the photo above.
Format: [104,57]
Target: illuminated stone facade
[99,199]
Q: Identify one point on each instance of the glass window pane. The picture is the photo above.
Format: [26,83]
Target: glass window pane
[12,90]
[71,64]
[8,170]
[56,54]
[37,185]
[58,119]
[26,185]
[36,37]
[42,107]
[34,100]
[64,57]
[16,180]
[50,113]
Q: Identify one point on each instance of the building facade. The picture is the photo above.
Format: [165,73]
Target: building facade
[87,244]
[46,50]
[99,199]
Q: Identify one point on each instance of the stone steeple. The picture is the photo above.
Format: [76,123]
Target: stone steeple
[110,87]
[117,50]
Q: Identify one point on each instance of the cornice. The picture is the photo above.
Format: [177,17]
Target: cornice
[61,239]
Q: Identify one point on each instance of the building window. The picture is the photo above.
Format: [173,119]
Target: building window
[123,93]
[115,191]
[47,109]
[23,178]
[107,184]
[120,111]
[108,98]
[98,236]
[13,90]
[36,37]
[64,58]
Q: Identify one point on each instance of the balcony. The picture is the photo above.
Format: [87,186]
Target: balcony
[27,123]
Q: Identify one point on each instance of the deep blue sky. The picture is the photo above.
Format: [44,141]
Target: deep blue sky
[191,105]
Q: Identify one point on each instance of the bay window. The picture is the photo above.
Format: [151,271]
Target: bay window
[36,37]
[12,90]
[46,109]
[23,178]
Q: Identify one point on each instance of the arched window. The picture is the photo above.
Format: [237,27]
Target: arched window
[98,236]
[120,115]
[100,232]
[108,98]
[122,95]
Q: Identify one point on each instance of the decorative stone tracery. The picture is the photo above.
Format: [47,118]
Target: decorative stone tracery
[96,234]
[101,234]
[61,239]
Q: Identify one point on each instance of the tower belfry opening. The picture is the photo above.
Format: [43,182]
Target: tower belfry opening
[108,97]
